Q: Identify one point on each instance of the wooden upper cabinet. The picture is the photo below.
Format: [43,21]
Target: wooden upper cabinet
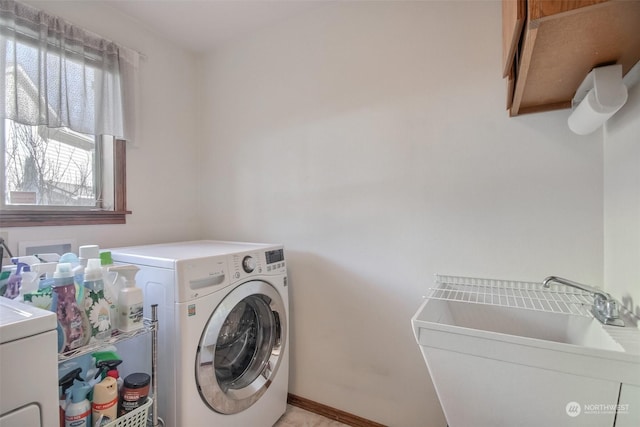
[560,43]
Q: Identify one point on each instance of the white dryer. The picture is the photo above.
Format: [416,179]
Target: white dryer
[28,366]
[223,310]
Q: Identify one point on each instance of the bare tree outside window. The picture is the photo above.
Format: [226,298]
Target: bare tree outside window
[49,167]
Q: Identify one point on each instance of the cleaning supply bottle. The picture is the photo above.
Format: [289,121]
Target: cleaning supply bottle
[109,366]
[97,308]
[72,320]
[113,373]
[7,271]
[130,299]
[45,272]
[77,270]
[85,253]
[78,412]
[135,392]
[104,408]
[65,383]
[30,282]
[110,286]
[15,281]
[27,259]
[48,257]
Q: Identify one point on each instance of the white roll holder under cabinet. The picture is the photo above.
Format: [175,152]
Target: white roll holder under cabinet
[137,418]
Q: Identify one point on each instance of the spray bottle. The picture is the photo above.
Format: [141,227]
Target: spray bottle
[48,257]
[78,412]
[72,321]
[106,367]
[27,259]
[103,361]
[130,299]
[65,383]
[97,308]
[30,282]
[38,290]
[15,281]
[45,269]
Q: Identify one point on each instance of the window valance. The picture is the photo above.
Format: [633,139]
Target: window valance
[56,74]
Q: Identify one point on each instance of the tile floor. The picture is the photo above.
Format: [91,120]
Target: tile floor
[297,417]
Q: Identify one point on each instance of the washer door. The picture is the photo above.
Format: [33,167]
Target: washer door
[240,349]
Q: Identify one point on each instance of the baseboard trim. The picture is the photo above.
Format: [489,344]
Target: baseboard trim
[331,413]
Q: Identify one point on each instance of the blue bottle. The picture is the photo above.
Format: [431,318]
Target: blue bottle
[78,412]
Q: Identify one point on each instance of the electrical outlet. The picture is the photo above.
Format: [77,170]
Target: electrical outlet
[5,236]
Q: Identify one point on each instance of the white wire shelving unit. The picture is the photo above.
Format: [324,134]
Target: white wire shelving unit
[515,294]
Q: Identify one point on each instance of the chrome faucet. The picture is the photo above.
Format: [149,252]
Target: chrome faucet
[604,308]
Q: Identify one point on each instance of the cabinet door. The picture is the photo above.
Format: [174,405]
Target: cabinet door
[513,16]
[628,409]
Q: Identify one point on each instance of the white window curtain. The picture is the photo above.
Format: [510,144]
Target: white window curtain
[58,75]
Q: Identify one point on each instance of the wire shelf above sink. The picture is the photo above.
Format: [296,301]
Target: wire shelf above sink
[508,293]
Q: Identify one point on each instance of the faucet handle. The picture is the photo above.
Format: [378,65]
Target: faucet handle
[611,309]
[601,303]
[606,310]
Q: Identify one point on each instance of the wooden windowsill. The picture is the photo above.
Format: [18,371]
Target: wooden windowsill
[28,218]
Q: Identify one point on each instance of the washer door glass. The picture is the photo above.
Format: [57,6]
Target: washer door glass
[240,348]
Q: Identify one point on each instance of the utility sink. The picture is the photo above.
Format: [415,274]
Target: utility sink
[511,353]
[491,320]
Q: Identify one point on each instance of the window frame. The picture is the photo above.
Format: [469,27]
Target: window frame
[70,216]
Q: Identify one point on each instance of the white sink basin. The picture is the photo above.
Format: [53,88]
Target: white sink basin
[555,327]
[495,364]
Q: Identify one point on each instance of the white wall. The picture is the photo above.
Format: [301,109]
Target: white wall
[622,203]
[371,138]
[162,167]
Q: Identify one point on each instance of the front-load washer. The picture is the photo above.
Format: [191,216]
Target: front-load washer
[28,366]
[223,310]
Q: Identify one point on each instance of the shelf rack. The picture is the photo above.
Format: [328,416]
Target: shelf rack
[508,293]
[150,326]
[117,336]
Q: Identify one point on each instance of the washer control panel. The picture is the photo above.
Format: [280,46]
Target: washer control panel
[274,260]
[247,264]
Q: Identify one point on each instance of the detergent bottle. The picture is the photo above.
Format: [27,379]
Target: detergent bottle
[72,321]
[84,254]
[97,308]
[130,299]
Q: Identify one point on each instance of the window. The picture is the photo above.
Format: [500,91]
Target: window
[61,177]
[66,109]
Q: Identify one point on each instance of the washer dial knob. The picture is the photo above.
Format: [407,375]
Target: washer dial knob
[248,264]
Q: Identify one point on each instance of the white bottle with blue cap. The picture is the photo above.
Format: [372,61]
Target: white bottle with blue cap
[78,412]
